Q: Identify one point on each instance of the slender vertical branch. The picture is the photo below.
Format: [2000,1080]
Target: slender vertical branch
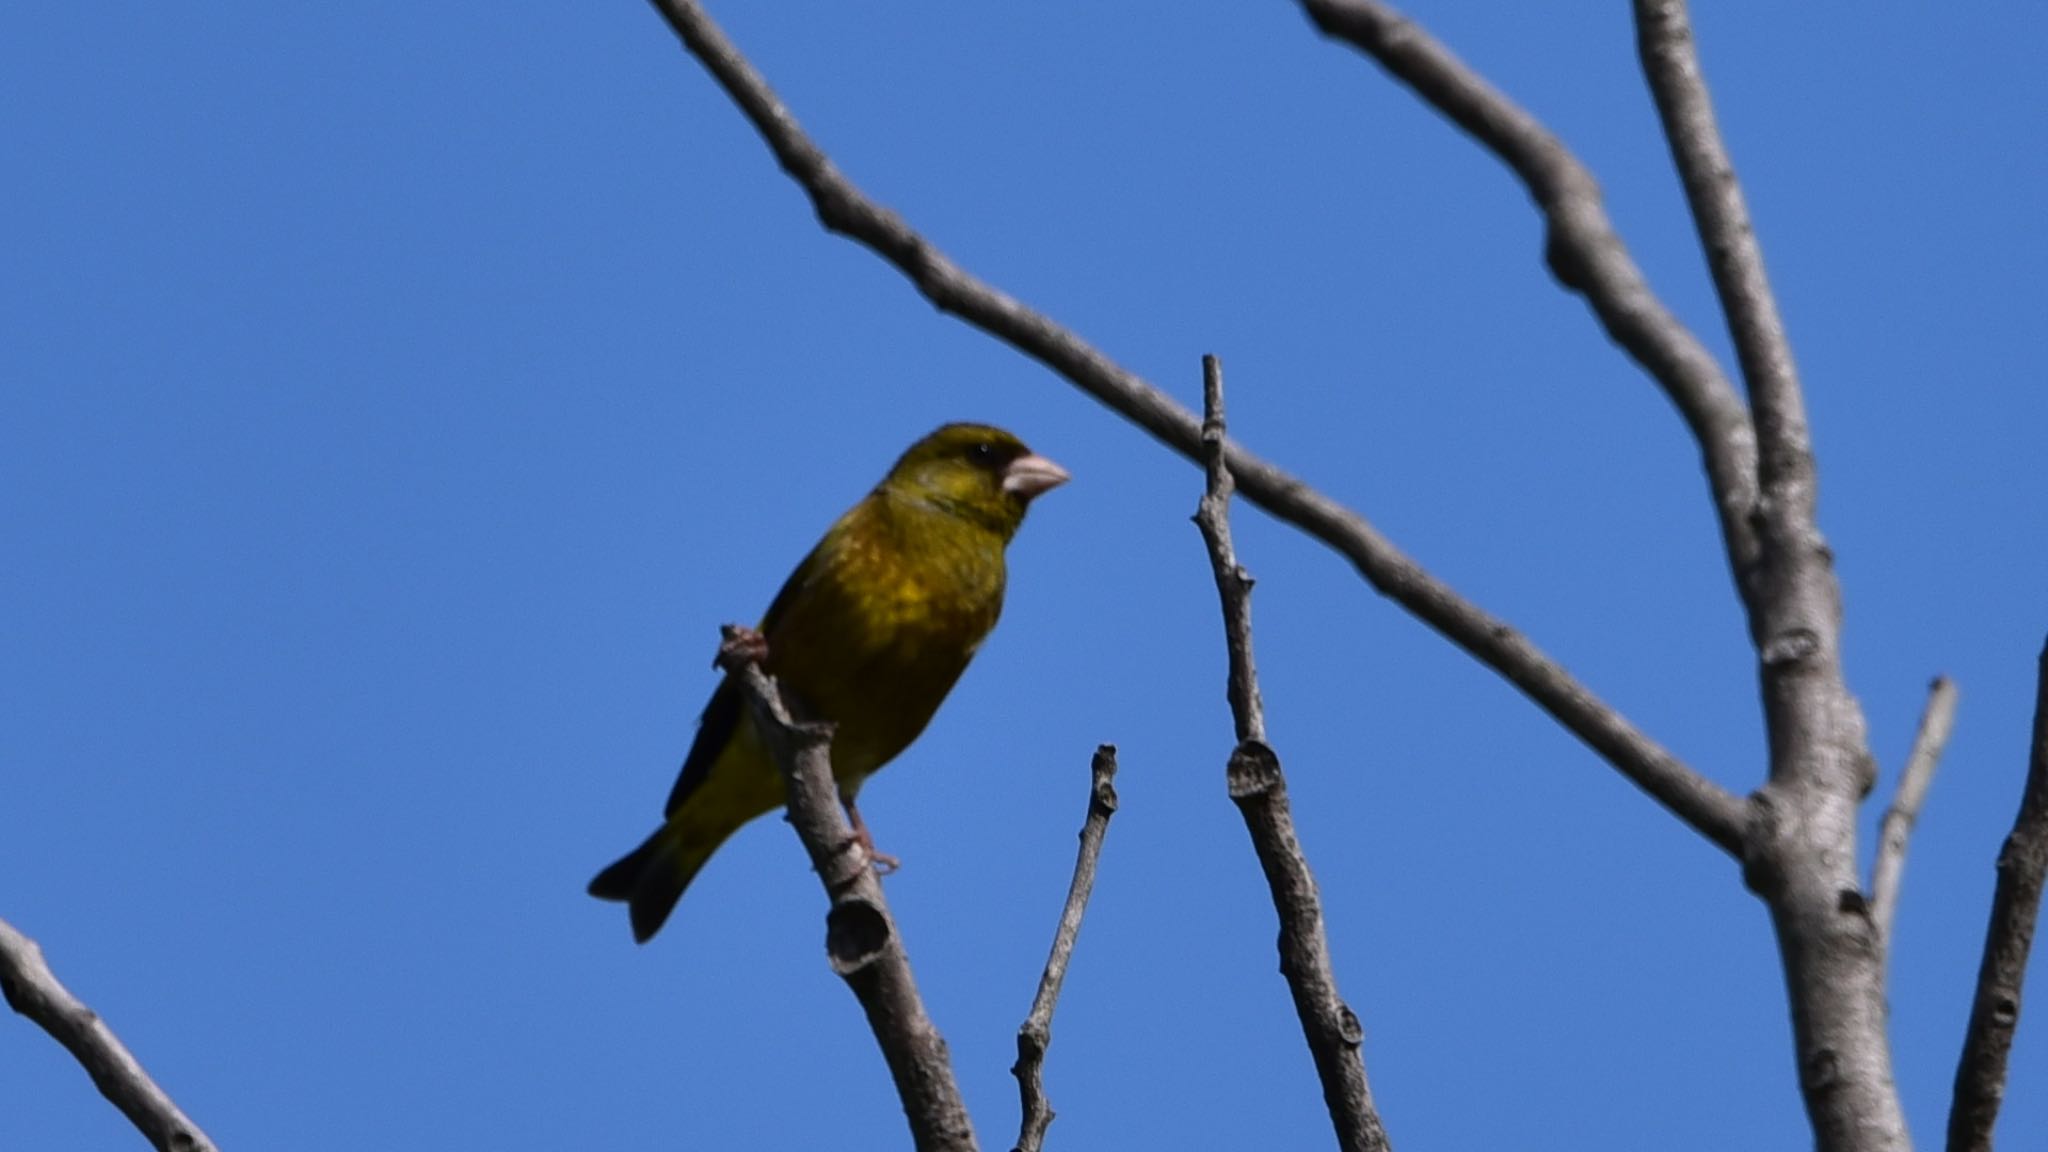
[1259,789]
[1801,842]
[860,935]
[1036,1034]
[1936,721]
[1232,581]
[1995,1013]
[1670,60]
[34,991]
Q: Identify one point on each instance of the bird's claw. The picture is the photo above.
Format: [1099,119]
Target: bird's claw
[883,863]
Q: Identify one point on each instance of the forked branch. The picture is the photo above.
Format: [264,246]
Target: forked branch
[1707,807]
[1583,250]
[1801,856]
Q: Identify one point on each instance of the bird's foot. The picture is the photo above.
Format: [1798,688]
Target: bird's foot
[741,644]
[883,862]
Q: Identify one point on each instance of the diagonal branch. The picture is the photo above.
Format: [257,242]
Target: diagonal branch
[1995,1013]
[1928,743]
[1708,808]
[34,991]
[1036,1034]
[860,936]
[1583,250]
[1260,792]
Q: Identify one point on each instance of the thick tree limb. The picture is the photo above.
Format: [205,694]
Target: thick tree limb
[1708,808]
[1885,872]
[860,935]
[1583,250]
[1802,847]
[1260,792]
[1036,1034]
[35,992]
[1995,1013]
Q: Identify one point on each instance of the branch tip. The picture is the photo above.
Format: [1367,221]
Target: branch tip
[1034,1036]
[1937,720]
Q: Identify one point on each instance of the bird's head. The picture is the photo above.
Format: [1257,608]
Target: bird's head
[980,473]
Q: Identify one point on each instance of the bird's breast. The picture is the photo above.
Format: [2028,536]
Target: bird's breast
[880,642]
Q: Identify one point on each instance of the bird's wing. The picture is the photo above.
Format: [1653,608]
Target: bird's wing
[715,729]
[721,718]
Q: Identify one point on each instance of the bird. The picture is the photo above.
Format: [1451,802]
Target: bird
[869,633]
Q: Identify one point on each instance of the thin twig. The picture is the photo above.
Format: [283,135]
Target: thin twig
[1885,872]
[1582,249]
[1995,1013]
[860,935]
[35,992]
[1036,1034]
[1259,789]
[1710,809]
[1247,709]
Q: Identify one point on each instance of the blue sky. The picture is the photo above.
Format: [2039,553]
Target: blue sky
[397,397]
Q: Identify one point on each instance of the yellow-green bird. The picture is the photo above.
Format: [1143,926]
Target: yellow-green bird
[870,632]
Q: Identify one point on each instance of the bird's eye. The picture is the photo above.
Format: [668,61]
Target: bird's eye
[983,452]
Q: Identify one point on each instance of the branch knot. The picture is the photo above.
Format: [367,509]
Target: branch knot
[1254,770]
[856,934]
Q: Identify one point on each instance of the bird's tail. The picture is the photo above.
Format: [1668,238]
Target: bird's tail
[651,878]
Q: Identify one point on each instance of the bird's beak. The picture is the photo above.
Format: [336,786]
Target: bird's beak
[1028,476]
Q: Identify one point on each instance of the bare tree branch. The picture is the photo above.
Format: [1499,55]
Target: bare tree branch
[35,992]
[1708,808]
[1036,1034]
[1995,1013]
[1671,63]
[1885,872]
[1802,851]
[1583,250]
[1233,583]
[860,935]
[1260,792]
